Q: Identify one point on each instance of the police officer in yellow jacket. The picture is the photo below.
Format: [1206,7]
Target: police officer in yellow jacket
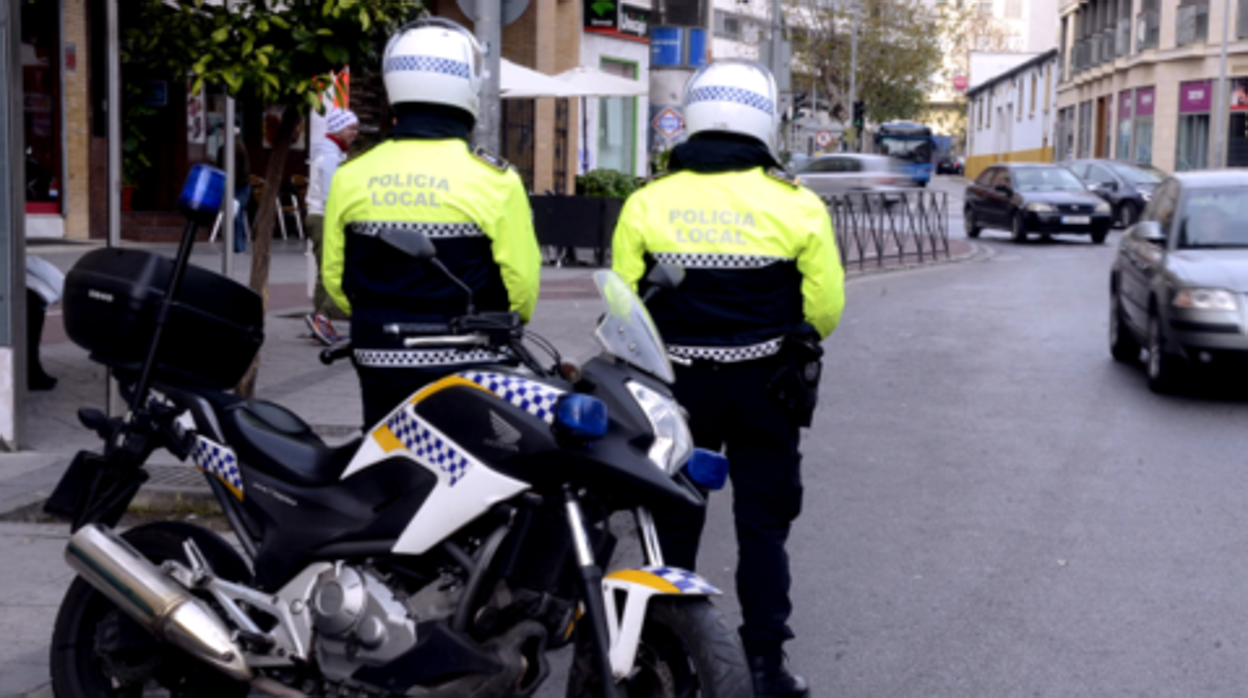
[426,178]
[763,287]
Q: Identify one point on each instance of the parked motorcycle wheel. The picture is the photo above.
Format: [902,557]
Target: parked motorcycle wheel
[687,649]
[97,650]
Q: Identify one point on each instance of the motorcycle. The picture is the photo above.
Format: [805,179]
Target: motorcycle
[443,553]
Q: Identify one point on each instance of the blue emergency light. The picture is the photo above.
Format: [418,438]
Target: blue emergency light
[203,192]
[582,416]
[708,468]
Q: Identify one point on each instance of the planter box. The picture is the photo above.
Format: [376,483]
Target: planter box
[576,221]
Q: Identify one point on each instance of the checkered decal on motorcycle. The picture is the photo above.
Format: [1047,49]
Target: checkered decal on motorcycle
[406,358]
[429,447]
[693,260]
[726,355]
[427,64]
[687,582]
[435,231]
[212,457]
[720,93]
[530,396]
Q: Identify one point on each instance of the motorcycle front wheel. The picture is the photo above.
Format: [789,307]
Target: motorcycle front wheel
[687,650]
[99,651]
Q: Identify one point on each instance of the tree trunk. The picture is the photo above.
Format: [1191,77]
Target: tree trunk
[265,219]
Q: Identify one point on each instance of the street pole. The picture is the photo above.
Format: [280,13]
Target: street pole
[1221,104]
[114,124]
[853,77]
[227,235]
[774,59]
[489,31]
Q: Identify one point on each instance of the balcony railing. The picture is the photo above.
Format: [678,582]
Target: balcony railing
[1148,30]
[1193,23]
[1122,39]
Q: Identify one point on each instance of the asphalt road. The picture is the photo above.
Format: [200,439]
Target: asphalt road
[995,508]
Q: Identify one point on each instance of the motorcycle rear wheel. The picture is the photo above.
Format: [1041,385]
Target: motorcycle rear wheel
[99,651]
[687,649]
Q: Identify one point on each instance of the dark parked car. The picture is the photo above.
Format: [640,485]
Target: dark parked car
[1034,198]
[1179,283]
[949,164]
[1127,186]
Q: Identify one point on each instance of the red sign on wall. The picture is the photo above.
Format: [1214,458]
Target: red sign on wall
[959,82]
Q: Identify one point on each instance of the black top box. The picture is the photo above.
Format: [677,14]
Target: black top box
[214,330]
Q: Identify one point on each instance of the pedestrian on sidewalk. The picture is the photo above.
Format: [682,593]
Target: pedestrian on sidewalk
[242,187]
[426,180]
[341,129]
[763,287]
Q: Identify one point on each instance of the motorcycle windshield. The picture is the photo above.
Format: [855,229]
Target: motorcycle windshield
[626,330]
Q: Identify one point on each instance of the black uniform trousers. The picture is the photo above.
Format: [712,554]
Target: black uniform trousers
[729,406]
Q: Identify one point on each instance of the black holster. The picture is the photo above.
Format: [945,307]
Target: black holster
[795,384]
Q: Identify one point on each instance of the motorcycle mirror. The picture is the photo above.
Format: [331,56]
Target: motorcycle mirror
[666,276]
[412,243]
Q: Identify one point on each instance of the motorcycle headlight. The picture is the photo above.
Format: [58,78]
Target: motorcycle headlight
[1103,207]
[672,442]
[1039,207]
[1206,299]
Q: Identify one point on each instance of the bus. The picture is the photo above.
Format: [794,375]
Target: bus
[910,144]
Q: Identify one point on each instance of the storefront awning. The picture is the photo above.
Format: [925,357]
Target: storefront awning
[518,82]
[583,81]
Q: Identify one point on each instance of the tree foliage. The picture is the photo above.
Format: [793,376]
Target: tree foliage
[963,31]
[899,52]
[280,52]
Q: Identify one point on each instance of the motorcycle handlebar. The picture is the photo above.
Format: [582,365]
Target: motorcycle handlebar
[334,353]
[417,328]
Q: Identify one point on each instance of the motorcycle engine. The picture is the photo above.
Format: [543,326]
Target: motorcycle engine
[360,621]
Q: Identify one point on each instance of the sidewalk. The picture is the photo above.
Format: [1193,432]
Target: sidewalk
[34,576]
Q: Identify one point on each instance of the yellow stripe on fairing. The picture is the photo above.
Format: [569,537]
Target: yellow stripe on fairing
[386,439]
[448,382]
[646,579]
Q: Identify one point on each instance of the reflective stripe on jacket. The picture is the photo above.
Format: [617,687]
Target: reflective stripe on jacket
[759,255]
[477,216]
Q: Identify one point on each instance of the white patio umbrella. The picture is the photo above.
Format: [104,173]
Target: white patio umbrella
[590,82]
[519,82]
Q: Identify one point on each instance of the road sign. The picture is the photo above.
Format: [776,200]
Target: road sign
[669,122]
[959,82]
[823,139]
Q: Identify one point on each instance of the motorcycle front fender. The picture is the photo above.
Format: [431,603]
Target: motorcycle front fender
[633,589]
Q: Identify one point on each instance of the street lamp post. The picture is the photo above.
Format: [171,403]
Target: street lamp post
[853,74]
[1220,122]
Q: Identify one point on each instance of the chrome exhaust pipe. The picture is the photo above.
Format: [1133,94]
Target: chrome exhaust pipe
[145,593]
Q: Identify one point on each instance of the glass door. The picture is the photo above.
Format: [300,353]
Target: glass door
[617,123]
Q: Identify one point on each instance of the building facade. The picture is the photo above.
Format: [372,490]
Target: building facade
[615,129]
[1139,80]
[1011,117]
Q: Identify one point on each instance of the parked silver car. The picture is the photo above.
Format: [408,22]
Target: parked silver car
[841,173]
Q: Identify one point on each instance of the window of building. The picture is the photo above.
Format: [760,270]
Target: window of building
[1192,22]
[1125,104]
[41,100]
[727,26]
[1048,87]
[1148,25]
[1142,138]
[1195,103]
[1122,38]
[1062,57]
[1241,19]
[1035,81]
[617,122]
[1085,130]
[985,8]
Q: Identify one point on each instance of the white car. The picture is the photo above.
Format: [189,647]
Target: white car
[842,173]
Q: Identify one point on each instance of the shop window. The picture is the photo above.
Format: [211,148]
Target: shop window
[1143,143]
[41,103]
[1237,140]
[617,123]
[727,26]
[1193,146]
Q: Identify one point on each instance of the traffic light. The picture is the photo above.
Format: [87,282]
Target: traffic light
[860,114]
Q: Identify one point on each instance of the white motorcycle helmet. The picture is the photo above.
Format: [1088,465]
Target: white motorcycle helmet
[434,61]
[733,95]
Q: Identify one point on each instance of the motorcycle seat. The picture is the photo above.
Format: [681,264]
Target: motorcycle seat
[275,441]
